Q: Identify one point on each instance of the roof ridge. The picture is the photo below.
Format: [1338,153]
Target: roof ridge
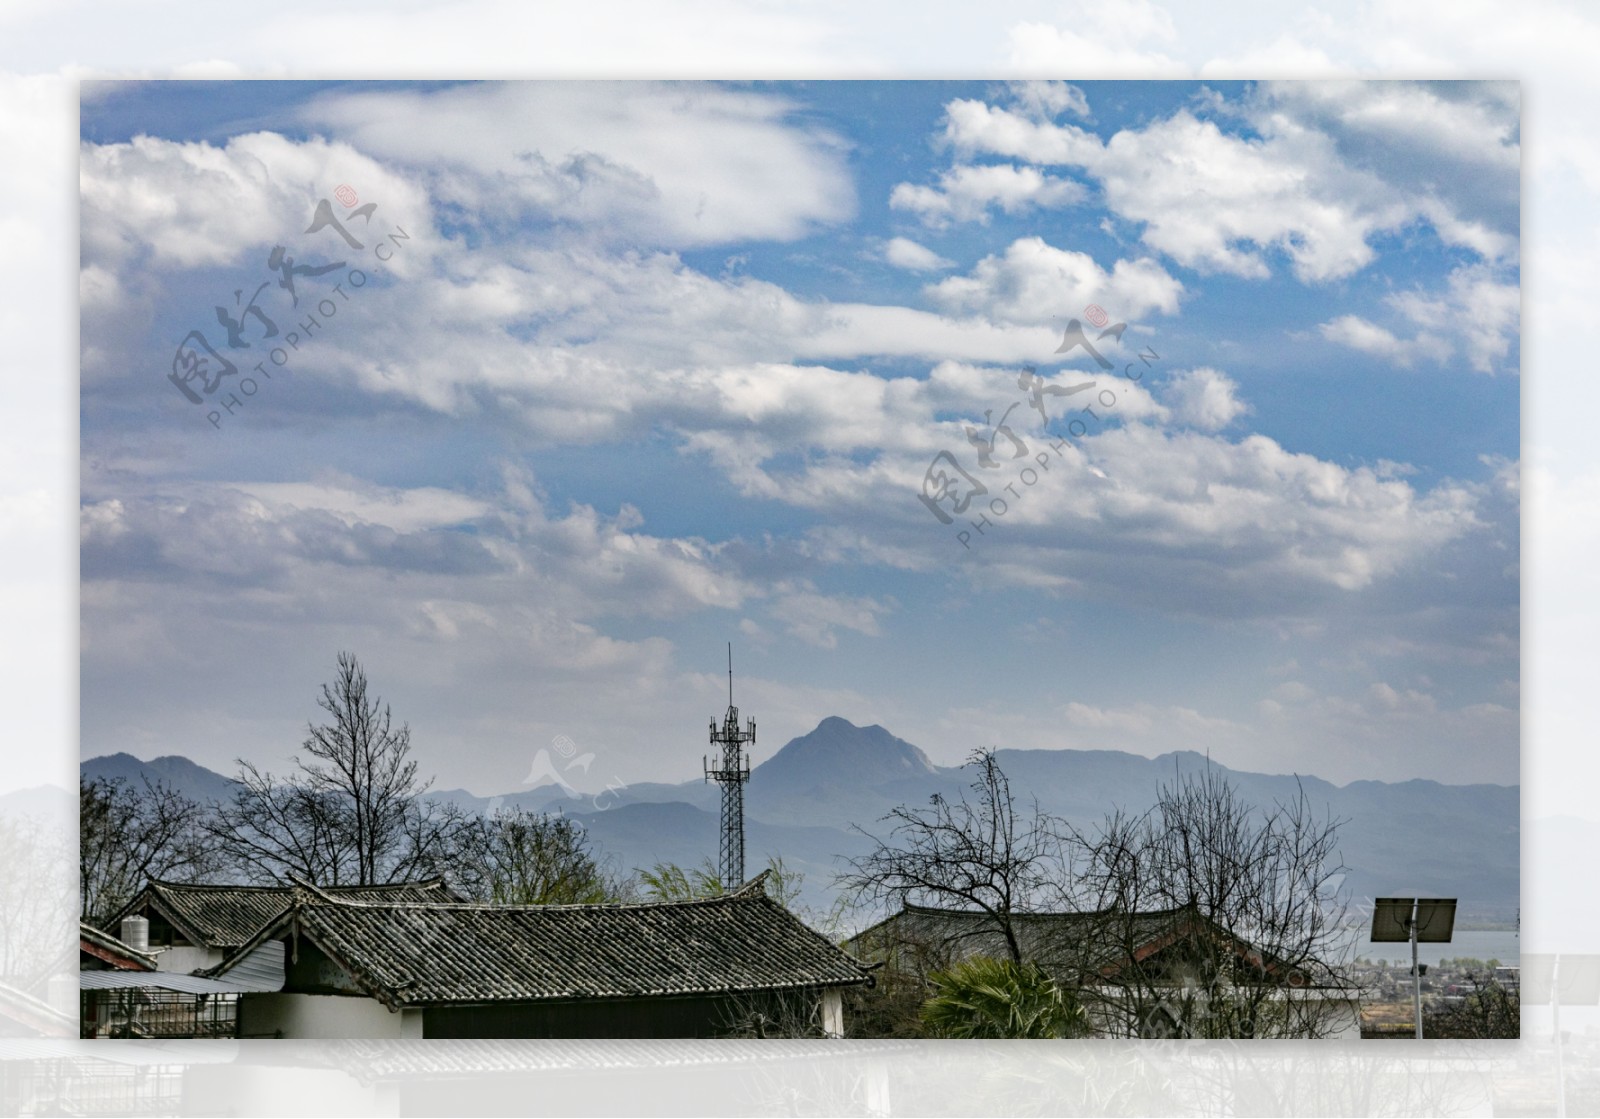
[110,941]
[1109,911]
[410,883]
[746,893]
[254,886]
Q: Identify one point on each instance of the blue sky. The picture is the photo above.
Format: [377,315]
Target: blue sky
[664,366]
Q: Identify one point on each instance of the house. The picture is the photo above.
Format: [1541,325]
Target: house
[100,951]
[141,983]
[192,927]
[404,969]
[122,993]
[1167,972]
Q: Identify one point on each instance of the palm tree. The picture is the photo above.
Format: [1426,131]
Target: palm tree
[992,998]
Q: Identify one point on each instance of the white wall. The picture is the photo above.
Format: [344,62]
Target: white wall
[186,958]
[832,1012]
[1344,1017]
[325,1016]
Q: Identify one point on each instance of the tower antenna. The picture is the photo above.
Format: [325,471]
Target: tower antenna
[731,772]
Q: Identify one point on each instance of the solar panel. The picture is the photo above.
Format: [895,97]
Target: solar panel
[1391,919]
[1436,920]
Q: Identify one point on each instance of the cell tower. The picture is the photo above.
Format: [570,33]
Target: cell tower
[732,771]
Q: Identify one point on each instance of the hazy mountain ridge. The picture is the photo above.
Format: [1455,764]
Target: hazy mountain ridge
[1411,836]
[174,770]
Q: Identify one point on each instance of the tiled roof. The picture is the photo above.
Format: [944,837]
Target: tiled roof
[104,946]
[413,954]
[227,916]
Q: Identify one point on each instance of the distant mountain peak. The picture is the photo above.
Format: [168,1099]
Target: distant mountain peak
[838,751]
[177,772]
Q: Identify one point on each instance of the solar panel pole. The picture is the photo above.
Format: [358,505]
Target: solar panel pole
[1414,919]
[1416,973]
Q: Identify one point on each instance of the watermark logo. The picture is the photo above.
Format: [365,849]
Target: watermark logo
[201,371]
[544,771]
[949,489]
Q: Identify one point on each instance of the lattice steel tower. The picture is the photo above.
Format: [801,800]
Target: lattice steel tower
[732,771]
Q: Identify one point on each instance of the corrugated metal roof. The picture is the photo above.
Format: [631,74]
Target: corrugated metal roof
[163,980]
[259,969]
[415,954]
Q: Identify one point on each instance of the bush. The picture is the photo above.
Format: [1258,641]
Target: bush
[990,998]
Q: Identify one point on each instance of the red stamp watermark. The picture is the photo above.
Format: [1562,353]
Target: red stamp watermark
[1096,315]
[346,195]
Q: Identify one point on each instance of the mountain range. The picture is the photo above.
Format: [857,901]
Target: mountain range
[808,801]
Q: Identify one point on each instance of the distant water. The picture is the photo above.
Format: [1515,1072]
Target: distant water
[1504,946]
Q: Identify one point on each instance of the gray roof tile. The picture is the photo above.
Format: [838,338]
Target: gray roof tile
[422,954]
[227,916]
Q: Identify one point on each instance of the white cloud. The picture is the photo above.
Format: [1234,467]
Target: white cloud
[188,205]
[575,343]
[1480,310]
[1037,283]
[1203,398]
[1360,334]
[1328,169]
[905,253]
[354,503]
[1046,100]
[272,533]
[966,192]
[1214,201]
[641,163]
[814,618]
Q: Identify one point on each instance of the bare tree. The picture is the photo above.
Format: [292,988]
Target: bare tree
[980,854]
[1491,1009]
[354,814]
[128,834]
[1204,916]
[533,858]
[1211,916]
[772,1014]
